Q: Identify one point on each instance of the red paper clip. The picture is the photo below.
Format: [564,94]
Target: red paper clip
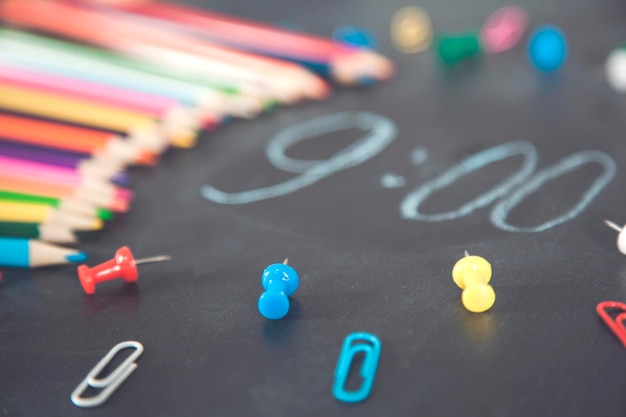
[616,325]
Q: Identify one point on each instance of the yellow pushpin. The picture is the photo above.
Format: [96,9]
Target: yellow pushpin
[411,31]
[472,274]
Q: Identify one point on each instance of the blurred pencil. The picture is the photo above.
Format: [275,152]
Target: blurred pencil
[51,174]
[40,213]
[170,48]
[346,65]
[142,130]
[102,145]
[55,234]
[66,204]
[115,199]
[22,171]
[38,53]
[170,112]
[81,163]
[86,25]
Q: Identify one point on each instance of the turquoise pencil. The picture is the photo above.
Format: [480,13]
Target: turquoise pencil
[26,253]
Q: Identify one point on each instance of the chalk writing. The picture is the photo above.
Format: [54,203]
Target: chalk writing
[502,209]
[390,180]
[419,155]
[409,208]
[381,132]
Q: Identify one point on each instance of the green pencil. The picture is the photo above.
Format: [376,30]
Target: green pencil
[56,234]
[67,205]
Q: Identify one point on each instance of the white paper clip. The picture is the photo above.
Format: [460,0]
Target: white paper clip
[109,383]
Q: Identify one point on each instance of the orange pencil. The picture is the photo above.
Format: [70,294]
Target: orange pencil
[100,144]
[142,129]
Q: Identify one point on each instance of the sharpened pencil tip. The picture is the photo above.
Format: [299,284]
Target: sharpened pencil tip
[104,214]
[97,225]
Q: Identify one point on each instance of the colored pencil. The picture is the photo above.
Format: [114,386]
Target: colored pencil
[143,131]
[184,66]
[120,196]
[36,231]
[102,145]
[78,22]
[80,163]
[41,54]
[47,173]
[40,213]
[346,65]
[25,253]
[168,111]
[114,200]
[68,205]
[73,116]
[286,82]
[52,174]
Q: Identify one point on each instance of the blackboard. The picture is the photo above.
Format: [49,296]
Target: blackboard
[541,350]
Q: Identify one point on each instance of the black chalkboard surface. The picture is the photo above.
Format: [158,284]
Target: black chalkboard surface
[371,258]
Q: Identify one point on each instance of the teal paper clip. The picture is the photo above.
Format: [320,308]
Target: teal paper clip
[368,370]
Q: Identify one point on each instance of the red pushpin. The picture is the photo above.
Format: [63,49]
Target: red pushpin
[123,265]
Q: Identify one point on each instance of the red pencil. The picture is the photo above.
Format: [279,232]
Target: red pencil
[345,64]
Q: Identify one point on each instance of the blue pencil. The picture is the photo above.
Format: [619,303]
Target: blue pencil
[26,253]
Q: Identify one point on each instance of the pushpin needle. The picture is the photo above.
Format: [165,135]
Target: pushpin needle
[153,259]
[621,237]
[613,226]
[286,261]
[466,253]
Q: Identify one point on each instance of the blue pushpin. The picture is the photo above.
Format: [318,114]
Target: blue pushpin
[354,36]
[279,282]
[547,48]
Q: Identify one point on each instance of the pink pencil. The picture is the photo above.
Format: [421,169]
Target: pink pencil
[159,107]
[20,168]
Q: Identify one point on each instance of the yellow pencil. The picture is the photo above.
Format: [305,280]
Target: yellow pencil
[143,130]
[41,213]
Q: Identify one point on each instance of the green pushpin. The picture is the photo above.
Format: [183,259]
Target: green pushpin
[457,47]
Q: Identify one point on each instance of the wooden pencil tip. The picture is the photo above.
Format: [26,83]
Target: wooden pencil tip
[362,67]
[185,139]
[146,158]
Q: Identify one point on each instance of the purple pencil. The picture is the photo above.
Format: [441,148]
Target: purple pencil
[78,161]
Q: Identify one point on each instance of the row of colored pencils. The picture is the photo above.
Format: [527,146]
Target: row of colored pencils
[117,87]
